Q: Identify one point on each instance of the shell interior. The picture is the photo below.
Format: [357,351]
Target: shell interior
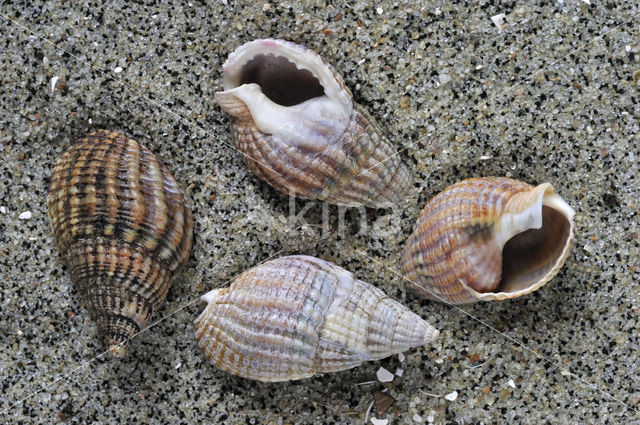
[533,255]
[280,80]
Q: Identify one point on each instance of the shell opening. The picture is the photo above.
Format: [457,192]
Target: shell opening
[288,92]
[280,80]
[530,258]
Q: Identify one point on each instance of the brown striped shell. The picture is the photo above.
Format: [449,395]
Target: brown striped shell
[296,316]
[122,224]
[488,239]
[299,129]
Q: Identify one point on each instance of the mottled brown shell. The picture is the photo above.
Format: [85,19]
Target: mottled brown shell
[299,129]
[296,316]
[123,227]
[488,239]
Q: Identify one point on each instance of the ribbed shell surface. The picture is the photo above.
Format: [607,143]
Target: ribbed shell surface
[296,316]
[361,167]
[451,241]
[123,226]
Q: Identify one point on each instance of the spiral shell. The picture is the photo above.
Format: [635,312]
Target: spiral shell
[122,224]
[300,130]
[296,316]
[488,239]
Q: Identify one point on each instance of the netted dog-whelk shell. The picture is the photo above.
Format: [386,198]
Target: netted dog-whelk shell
[488,239]
[122,225]
[296,316]
[301,132]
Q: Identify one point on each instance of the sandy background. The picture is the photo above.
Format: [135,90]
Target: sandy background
[550,98]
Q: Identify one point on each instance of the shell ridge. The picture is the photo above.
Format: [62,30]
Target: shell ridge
[75,203]
[176,228]
[278,171]
[155,220]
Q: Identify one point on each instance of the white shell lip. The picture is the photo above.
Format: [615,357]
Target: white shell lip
[300,56]
[544,196]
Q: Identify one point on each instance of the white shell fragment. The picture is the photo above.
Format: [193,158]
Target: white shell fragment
[54,80]
[451,396]
[498,21]
[384,375]
[26,215]
[299,129]
[296,316]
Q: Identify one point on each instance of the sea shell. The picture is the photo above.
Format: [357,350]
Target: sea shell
[299,129]
[296,316]
[122,225]
[488,239]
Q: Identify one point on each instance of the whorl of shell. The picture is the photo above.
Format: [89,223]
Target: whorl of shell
[122,225]
[488,239]
[296,316]
[299,129]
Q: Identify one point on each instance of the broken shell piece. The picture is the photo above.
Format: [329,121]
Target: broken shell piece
[488,239]
[296,316]
[301,132]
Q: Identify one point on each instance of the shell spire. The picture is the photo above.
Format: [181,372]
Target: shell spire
[123,227]
[488,239]
[300,130]
[297,316]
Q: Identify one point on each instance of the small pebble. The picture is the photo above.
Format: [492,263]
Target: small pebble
[452,396]
[117,69]
[417,418]
[382,402]
[379,10]
[3,210]
[376,421]
[25,215]
[444,78]
[511,383]
[384,375]
[399,372]
[401,357]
